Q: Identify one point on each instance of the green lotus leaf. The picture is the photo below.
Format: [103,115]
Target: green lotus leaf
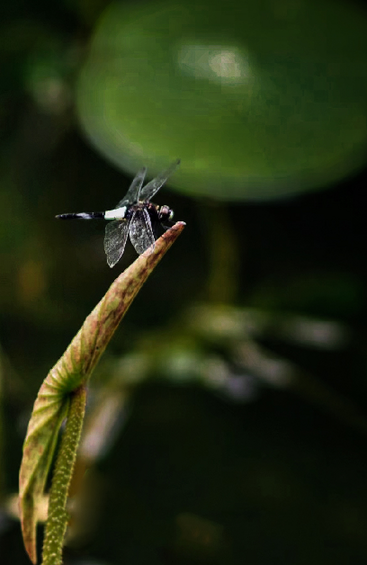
[259,99]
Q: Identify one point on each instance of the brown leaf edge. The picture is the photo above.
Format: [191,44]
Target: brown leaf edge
[71,372]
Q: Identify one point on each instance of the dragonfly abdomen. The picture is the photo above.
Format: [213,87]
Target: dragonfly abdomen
[82,216]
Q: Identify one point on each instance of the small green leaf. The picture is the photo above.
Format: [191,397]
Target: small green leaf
[70,374]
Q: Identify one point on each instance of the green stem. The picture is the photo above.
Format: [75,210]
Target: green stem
[57,515]
[224,255]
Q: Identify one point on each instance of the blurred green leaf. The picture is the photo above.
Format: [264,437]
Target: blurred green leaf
[260,100]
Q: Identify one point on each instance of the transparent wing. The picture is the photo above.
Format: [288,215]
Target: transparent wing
[150,189]
[133,194]
[141,232]
[115,240]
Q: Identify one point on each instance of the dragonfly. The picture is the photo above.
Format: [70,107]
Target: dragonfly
[135,216]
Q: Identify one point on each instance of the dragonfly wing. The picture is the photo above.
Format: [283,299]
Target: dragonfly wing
[115,240]
[133,194]
[150,189]
[141,232]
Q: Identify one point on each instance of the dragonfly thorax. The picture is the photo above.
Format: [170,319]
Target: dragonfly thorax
[156,213]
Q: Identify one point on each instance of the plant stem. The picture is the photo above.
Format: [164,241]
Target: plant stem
[57,515]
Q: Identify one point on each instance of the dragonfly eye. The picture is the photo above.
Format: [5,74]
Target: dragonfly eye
[171,214]
[165,213]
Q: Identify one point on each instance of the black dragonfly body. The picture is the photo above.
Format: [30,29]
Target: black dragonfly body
[133,216]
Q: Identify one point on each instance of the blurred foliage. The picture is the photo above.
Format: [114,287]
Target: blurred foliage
[259,99]
[226,421]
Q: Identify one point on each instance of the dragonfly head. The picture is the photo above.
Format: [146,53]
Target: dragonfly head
[165,213]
